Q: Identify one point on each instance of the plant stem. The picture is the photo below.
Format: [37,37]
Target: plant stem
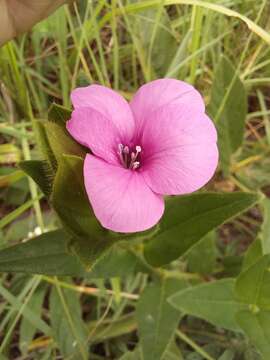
[192,344]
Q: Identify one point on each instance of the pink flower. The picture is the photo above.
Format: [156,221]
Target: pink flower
[162,143]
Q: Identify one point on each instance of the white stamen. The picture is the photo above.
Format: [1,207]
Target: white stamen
[121,154]
[138,149]
[120,147]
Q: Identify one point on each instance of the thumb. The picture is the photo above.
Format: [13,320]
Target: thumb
[17,16]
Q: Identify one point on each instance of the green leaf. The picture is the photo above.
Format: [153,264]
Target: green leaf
[41,172]
[253,284]
[59,114]
[61,142]
[70,200]
[43,142]
[172,352]
[228,108]
[132,355]
[253,254]
[232,265]
[257,328]
[265,235]
[90,240]
[117,262]
[157,319]
[188,218]
[204,249]
[68,329]
[214,302]
[48,254]
[228,354]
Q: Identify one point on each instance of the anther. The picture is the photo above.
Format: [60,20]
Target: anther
[129,159]
[126,150]
[135,165]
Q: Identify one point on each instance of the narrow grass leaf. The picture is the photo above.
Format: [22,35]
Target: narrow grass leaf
[228,108]
[27,330]
[68,328]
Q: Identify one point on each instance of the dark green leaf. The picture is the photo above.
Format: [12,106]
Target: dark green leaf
[228,107]
[90,240]
[61,142]
[253,284]
[59,114]
[213,302]
[117,262]
[43,142]
[70,200]
[41,172]
[232,265]
[257,328]
[157,319]
[188,218]
[48,254]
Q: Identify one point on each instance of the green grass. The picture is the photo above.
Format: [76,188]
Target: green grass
[122,44]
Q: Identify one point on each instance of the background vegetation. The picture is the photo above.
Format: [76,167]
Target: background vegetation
[121,311]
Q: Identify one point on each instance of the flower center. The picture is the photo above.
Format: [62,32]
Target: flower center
[130,158]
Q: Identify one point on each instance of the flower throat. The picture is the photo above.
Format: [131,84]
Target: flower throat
[130,158]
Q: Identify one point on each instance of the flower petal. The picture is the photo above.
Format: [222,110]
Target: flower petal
[109,103]
[120,198]
[180,150]
[91,129]
[161,92]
